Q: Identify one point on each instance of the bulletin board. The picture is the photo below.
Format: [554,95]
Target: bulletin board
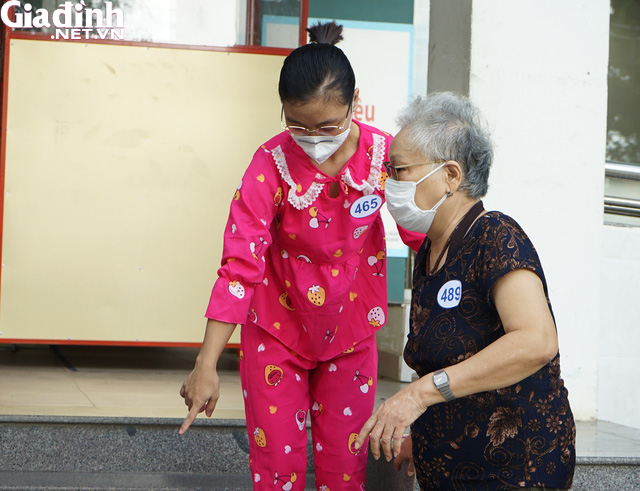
[120,165]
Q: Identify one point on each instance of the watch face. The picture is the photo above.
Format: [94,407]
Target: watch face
[440,378]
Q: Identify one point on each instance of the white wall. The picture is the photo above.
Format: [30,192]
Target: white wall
[538,73]
[618,397]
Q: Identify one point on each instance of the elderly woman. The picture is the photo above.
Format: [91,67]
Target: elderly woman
[489,410]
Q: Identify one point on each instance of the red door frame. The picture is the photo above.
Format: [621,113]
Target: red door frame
[6,35]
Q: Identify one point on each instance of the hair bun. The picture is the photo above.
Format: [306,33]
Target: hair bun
[325,33]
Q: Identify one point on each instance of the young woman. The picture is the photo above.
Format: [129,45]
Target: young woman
[303,272]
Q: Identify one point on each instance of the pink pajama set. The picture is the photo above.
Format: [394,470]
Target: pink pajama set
[305,276]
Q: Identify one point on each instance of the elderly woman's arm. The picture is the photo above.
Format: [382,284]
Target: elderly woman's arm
[529,344]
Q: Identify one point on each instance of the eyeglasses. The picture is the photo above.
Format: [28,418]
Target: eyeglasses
[392,170]
[323,130]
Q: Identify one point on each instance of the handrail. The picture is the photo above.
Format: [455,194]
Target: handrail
[622,206]
[621,170]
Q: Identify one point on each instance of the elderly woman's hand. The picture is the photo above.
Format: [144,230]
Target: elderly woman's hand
[388,423]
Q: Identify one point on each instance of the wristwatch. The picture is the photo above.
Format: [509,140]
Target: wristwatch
[441,381]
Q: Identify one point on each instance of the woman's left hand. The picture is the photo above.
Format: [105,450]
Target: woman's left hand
[391,419]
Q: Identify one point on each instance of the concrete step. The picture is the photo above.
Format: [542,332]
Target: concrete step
[60,453]
[607,474]
[166,481]
[48,452]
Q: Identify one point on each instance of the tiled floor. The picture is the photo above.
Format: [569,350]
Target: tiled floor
[144,382]
[106,381]
[113,381]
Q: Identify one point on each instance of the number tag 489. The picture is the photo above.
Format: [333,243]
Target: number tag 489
[450,294]
[365,206]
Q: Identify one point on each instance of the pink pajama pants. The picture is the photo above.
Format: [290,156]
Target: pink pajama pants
[280,388]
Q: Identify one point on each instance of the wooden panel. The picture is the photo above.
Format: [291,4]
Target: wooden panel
[120,165]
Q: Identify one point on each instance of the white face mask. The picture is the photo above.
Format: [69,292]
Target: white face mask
[401,203]
[321,147]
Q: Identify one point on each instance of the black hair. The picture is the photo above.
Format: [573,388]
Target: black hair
[318,69]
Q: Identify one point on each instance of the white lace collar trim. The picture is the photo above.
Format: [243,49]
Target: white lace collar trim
[373,181]
[304,201]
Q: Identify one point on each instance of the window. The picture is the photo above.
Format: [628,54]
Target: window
[267,23]
[622,170]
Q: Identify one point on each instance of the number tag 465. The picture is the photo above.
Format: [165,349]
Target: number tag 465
[450,294]
[365,206]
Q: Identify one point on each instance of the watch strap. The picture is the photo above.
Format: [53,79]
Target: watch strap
[444,388]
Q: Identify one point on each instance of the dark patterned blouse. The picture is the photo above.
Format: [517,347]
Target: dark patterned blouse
[522,435]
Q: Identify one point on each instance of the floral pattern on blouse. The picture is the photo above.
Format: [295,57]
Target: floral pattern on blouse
[521,435]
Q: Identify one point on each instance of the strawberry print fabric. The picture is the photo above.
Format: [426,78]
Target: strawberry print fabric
[307,267]
[281,389]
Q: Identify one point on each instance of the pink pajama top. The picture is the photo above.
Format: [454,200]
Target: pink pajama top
[308,268]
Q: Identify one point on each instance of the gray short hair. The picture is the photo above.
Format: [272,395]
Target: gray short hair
[446,126]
